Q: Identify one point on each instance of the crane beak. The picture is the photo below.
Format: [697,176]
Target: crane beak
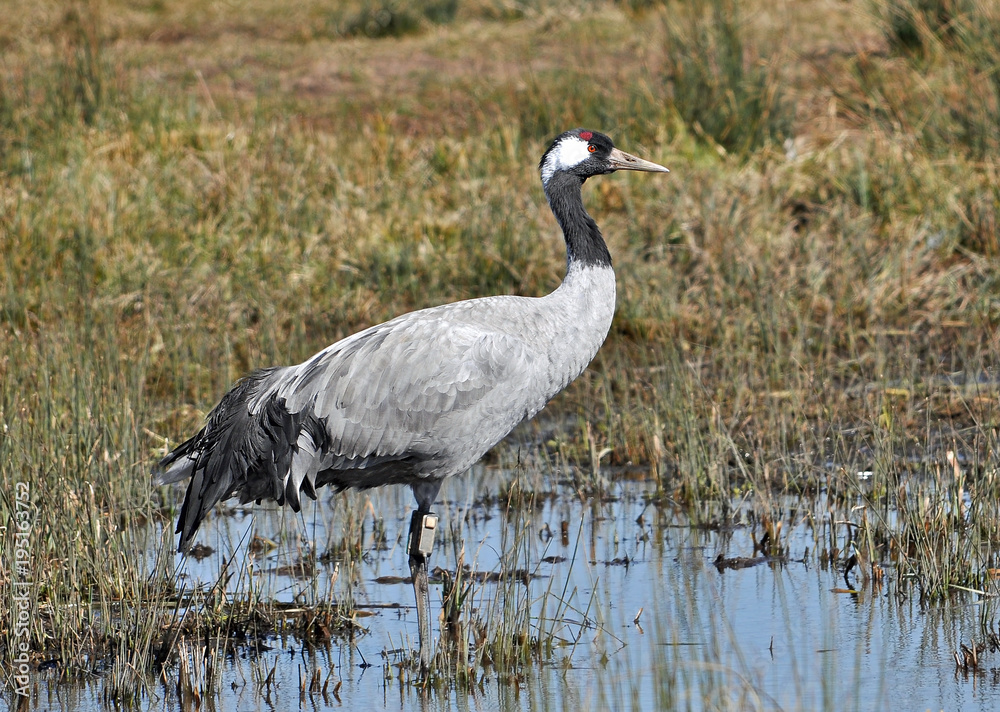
[621,161]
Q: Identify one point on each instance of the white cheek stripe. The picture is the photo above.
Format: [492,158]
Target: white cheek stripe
[569,152]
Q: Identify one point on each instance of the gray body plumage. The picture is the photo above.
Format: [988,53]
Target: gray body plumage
[414,400]
[437,388]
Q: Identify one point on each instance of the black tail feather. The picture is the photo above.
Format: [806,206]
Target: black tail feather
[238,453]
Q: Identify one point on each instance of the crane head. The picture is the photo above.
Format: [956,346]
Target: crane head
[585,153]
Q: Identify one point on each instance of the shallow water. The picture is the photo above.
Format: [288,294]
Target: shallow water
[774,635]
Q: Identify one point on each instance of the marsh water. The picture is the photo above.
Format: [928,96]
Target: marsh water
[627,586]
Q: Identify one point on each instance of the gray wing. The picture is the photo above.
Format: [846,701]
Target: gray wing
[422,396]
[426,388]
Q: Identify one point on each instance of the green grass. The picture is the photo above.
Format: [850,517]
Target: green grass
[186,195]
[720,86]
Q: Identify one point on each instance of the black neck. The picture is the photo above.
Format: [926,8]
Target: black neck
[584,243]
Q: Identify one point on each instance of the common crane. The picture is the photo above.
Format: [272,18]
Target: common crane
[421,397]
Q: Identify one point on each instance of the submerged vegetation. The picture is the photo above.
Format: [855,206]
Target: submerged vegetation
[809,303]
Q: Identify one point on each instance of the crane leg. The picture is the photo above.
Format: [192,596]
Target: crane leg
[423,525]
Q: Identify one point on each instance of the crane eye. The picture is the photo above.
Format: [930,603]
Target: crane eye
[591,147]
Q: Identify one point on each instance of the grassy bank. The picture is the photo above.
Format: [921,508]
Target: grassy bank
[189,192]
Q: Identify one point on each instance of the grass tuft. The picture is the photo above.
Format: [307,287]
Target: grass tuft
[723,90]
